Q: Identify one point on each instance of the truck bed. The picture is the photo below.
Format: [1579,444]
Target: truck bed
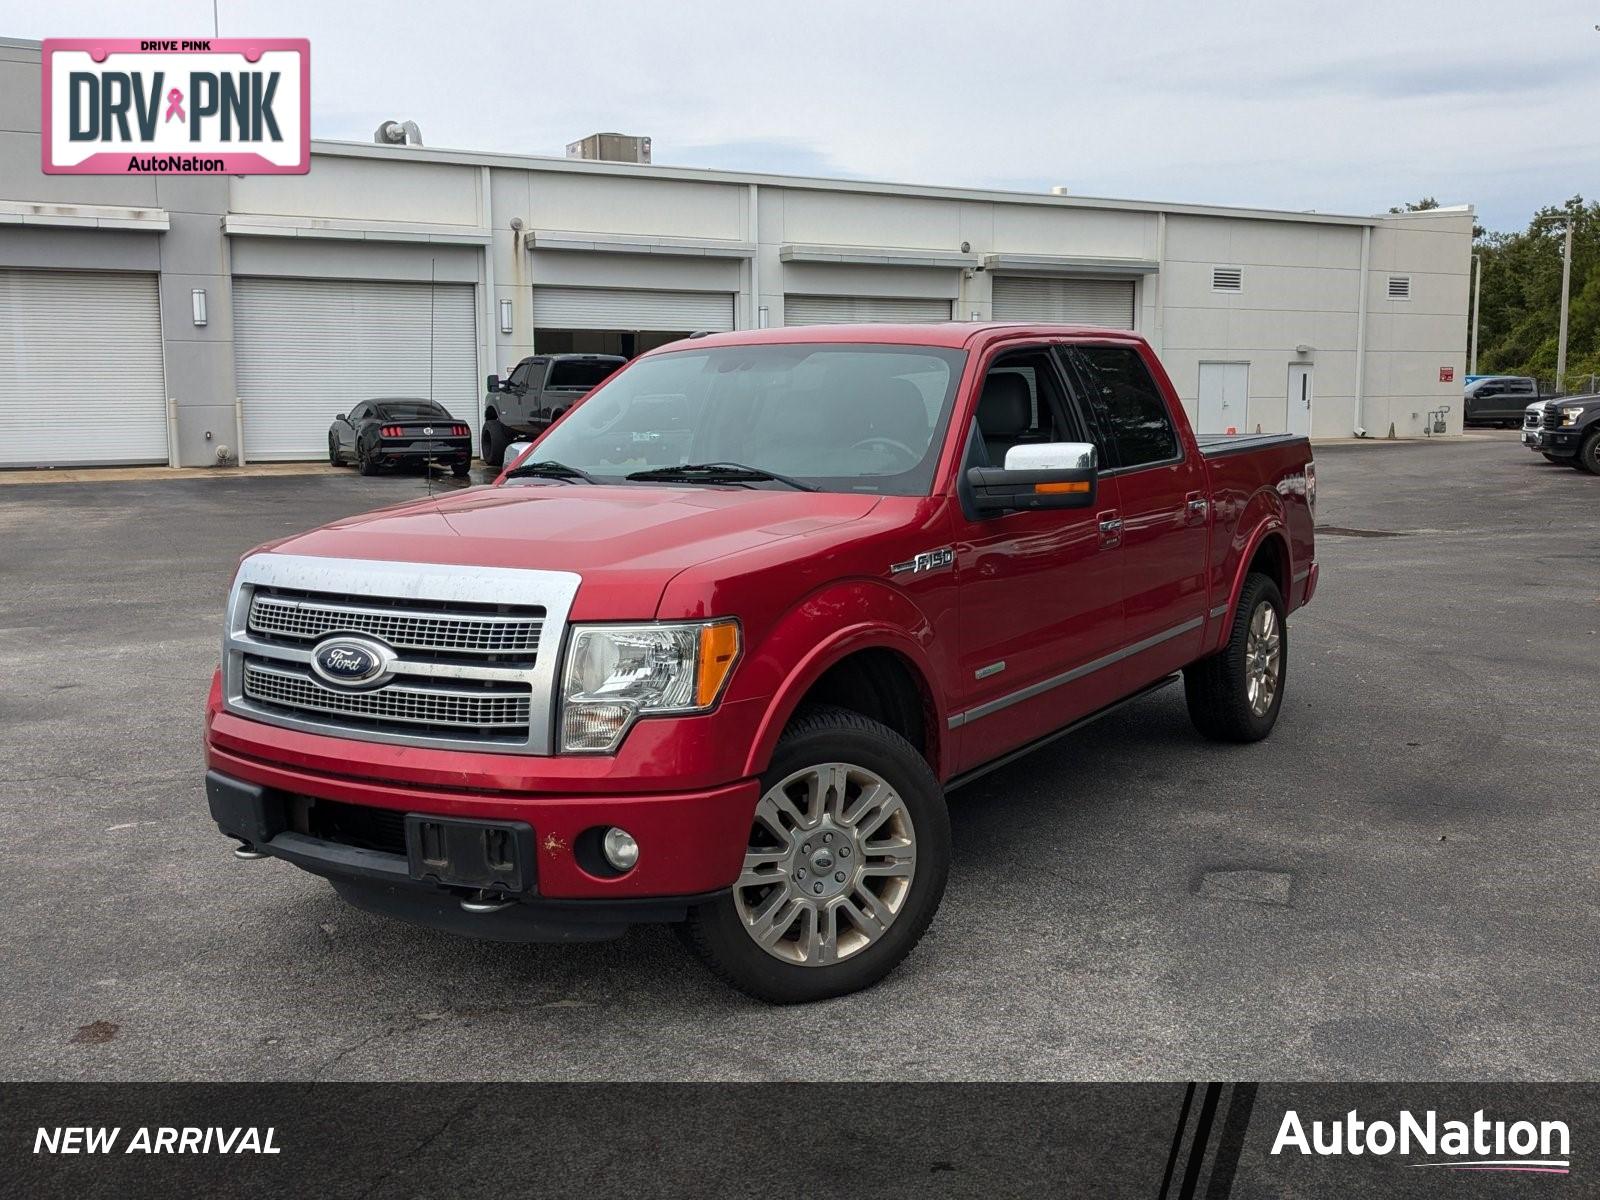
[1214,445]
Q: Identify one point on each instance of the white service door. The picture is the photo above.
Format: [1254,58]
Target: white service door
[1301,395]
[309,349]
[1224,388]
[841,310]
[1104,302]
[632,309]
[81,379]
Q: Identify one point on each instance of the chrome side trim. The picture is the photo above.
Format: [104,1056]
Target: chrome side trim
[1220,610]
[1044,685]
[991,670]
[554,591]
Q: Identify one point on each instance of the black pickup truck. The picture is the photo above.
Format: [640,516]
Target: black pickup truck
[539,389]
[1569,432]
[1498,400]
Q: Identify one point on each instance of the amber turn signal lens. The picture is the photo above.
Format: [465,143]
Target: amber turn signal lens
[719,648]
[1076,488]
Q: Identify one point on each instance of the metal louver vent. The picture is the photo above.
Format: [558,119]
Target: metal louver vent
[1227,279]
[1399,287]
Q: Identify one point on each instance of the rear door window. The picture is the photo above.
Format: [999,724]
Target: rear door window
[1127,403]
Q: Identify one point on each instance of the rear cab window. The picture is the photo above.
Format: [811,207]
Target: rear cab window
[578,374]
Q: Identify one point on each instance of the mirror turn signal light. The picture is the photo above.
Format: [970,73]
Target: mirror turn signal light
[1075,487]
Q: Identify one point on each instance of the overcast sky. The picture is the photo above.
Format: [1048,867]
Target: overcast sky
[1340,106]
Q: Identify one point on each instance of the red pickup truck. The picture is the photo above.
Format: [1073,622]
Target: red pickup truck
[715,647]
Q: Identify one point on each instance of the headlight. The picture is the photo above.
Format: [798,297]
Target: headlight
[615,674]
[1569,416]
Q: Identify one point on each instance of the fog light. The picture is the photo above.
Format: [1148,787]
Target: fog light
[620,849]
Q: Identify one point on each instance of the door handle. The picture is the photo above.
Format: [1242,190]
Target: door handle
[1197,506]
[1110,529]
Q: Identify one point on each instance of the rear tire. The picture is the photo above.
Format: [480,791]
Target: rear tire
[1236,694]
[1588,456]
[364,462]
[495,442]
[461,470]
[847,859]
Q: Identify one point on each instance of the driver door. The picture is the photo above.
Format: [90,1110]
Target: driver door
[1041,591]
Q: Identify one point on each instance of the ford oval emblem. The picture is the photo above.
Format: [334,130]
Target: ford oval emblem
[428,429]
[351,661]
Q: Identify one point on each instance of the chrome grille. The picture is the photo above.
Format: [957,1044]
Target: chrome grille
[456,708]
[466,673]
[314,617]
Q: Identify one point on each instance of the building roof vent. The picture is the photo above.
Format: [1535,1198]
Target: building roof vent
[611,147]
[398,133]
[1227,279]
[1399,287]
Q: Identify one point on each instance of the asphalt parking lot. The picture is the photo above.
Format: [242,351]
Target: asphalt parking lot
[1400,884]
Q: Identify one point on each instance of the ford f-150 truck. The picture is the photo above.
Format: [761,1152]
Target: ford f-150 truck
[715,647]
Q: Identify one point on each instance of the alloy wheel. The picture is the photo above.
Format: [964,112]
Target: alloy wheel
[829,866]
[1263,658]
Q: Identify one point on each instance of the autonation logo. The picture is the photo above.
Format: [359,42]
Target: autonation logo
[1476,1145]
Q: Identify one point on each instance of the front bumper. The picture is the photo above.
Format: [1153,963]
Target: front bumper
[1559,442]
[381,881]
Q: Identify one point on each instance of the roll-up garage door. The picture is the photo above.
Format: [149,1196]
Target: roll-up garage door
[309,349]
[629,308]
[839,310]
[1107,302]
[80,369]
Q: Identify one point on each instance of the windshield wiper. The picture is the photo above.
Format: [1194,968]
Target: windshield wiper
[550,469]
[718,472]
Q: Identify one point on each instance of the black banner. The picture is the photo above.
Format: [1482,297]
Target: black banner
[1159,1141]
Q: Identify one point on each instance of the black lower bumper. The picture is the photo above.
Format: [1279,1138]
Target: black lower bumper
[383,882]
[441,454]
[1561,445]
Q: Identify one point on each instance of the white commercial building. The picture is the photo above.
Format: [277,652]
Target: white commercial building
[190,314]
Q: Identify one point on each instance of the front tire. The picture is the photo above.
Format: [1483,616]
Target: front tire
[495,442]
[333,451]
[1235,695]
[1588,456]
[846,862]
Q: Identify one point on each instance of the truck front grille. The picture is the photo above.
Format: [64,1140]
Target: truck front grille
[309,618]
[487,712]
[465,669]
[1531,419]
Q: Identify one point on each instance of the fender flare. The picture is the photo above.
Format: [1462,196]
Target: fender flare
[875,634]
[1272,526]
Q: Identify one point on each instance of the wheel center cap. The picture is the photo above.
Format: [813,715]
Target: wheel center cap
[822,860]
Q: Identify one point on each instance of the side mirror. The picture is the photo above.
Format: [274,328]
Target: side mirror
[1047,475]
[513,452]
[492,383]
[341,417]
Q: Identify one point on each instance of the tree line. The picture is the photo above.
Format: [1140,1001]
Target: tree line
[1519,325]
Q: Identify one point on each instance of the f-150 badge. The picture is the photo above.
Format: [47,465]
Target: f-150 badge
[928,560]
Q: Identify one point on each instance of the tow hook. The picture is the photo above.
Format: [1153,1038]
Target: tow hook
[482,901]
[247,852]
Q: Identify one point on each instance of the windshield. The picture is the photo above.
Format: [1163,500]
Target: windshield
[844,418]
[405,410]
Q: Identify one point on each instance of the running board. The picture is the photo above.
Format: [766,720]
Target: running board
[995,764]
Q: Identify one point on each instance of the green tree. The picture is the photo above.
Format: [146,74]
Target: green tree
[1519,326]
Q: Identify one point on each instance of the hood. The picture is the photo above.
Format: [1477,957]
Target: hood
[625,540]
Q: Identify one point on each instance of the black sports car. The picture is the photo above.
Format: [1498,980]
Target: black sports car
[380,433]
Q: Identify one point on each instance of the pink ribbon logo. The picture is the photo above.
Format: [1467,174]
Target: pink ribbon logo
[175,105]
